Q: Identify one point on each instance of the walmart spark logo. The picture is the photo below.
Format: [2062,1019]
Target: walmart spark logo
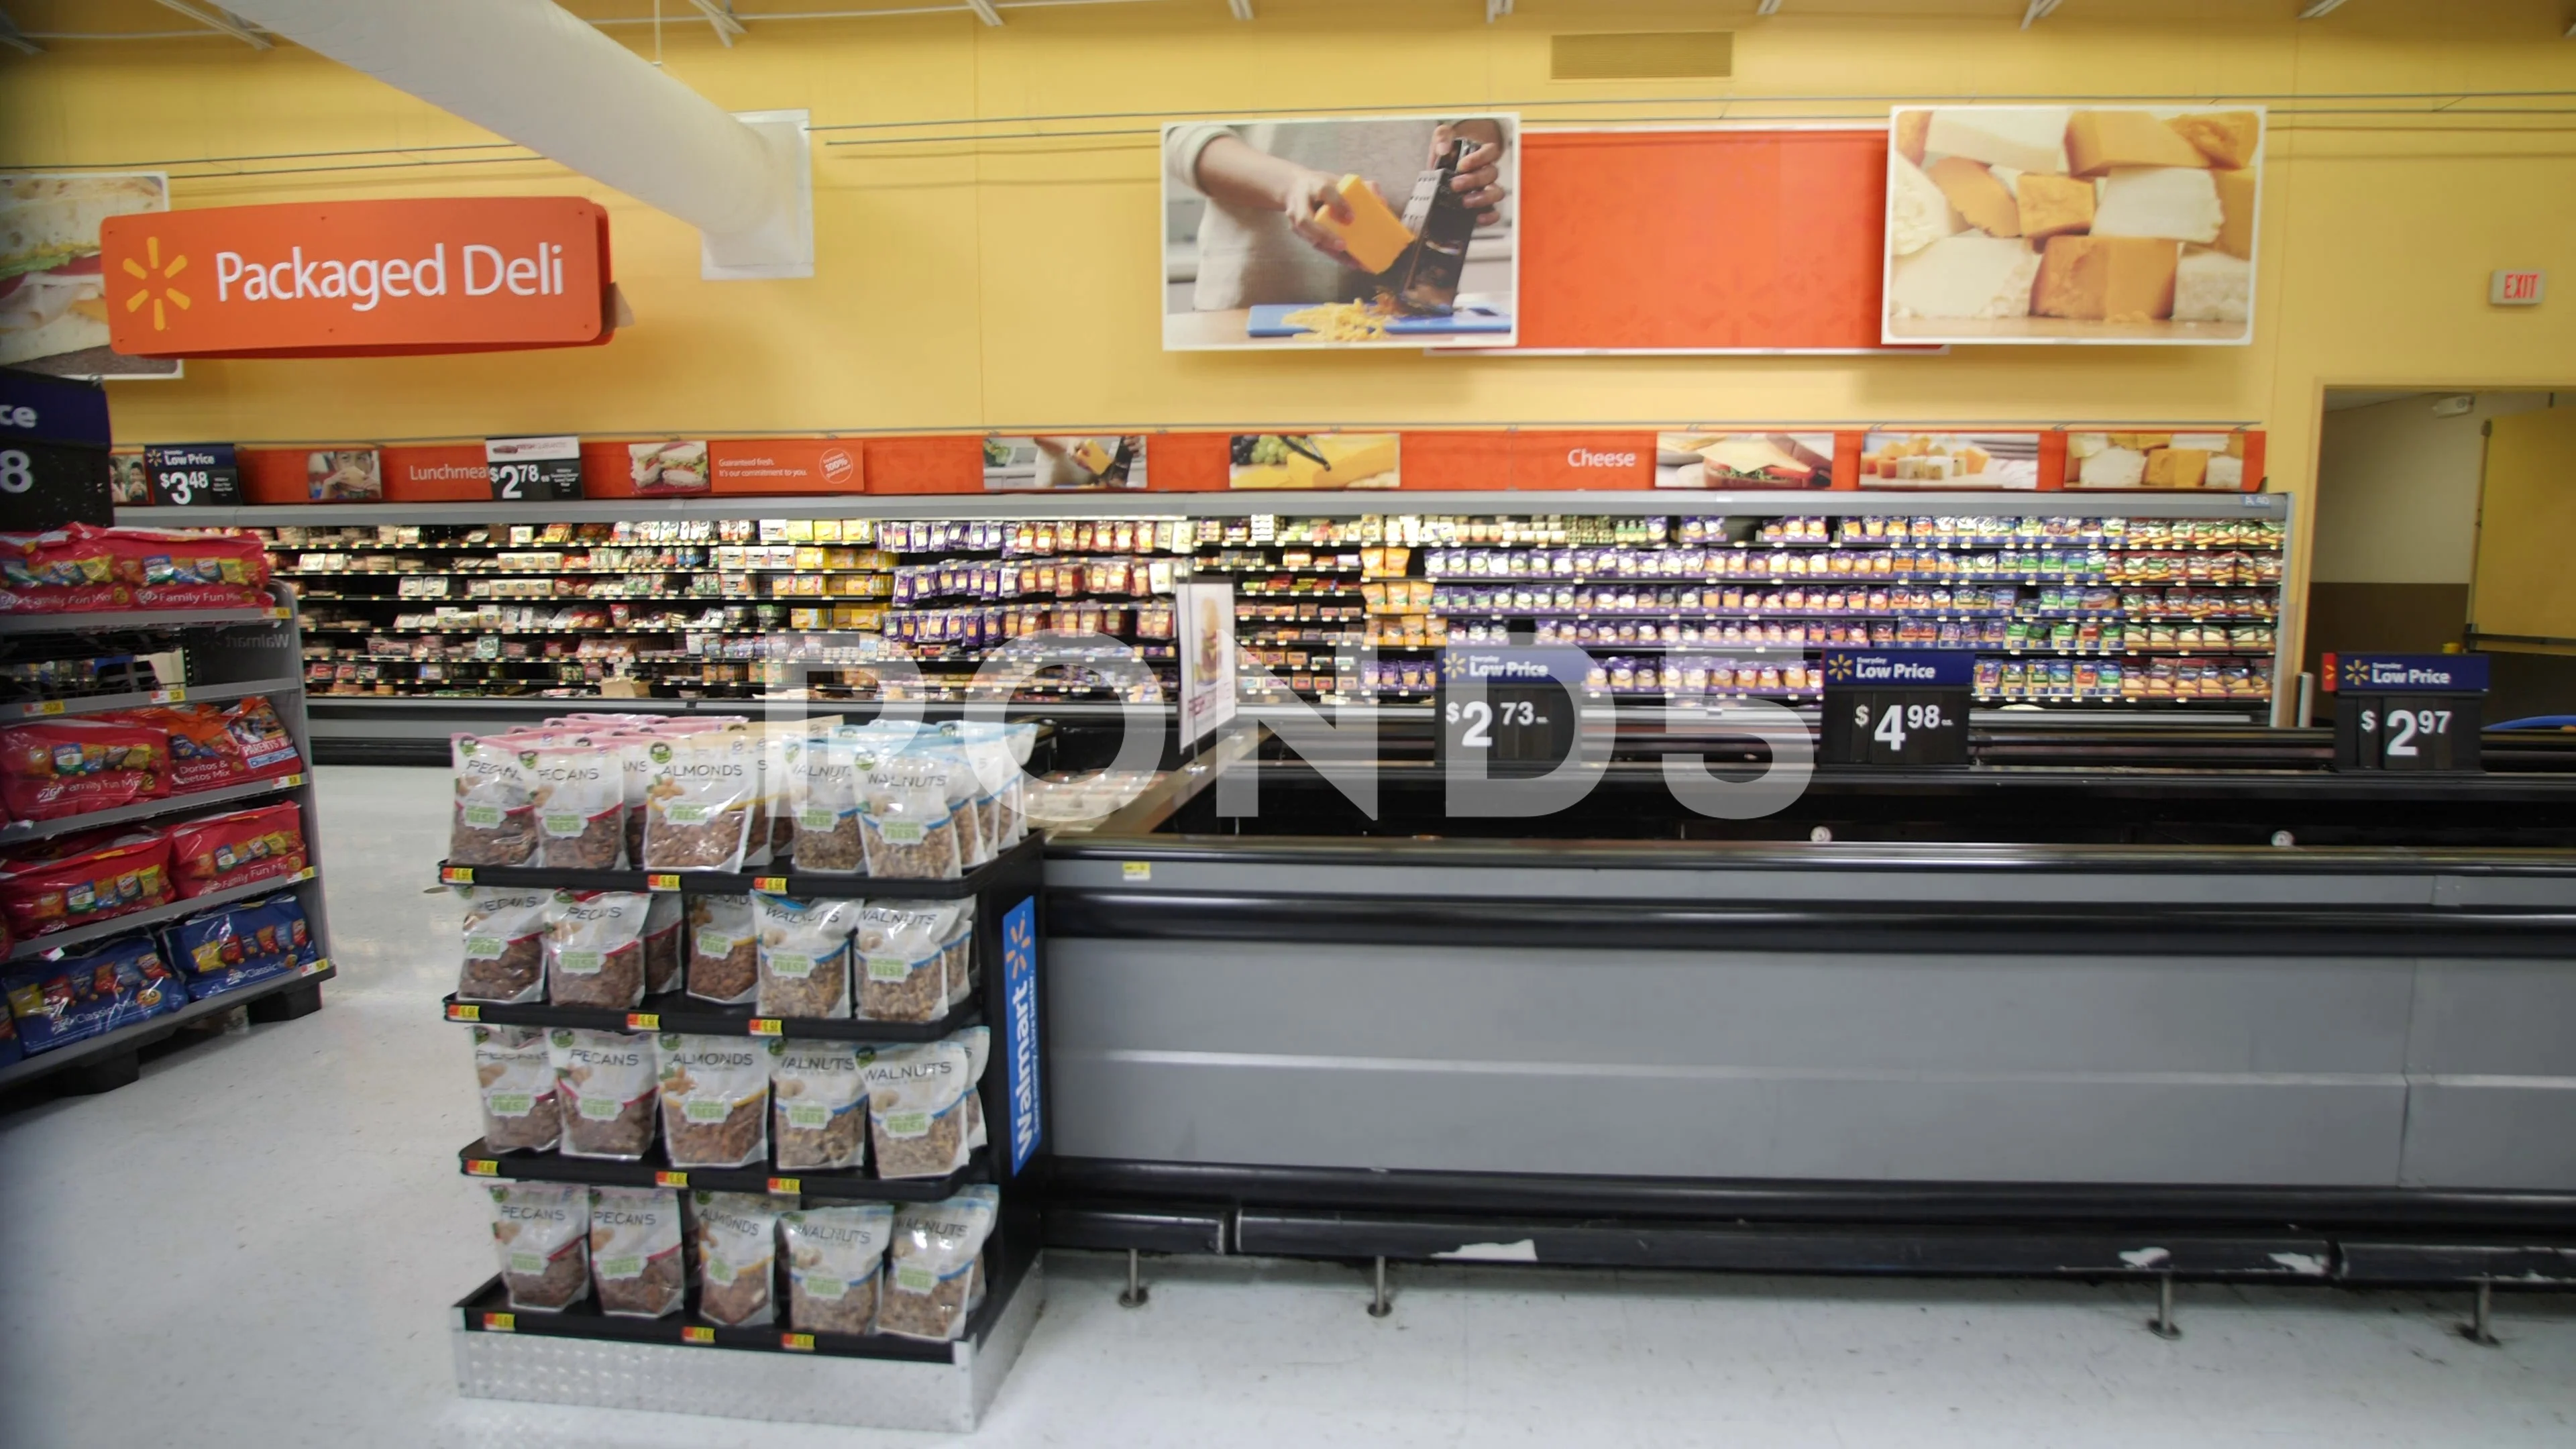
[1838,668]
[148,276]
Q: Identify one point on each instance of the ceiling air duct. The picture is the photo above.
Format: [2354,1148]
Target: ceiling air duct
[532,72]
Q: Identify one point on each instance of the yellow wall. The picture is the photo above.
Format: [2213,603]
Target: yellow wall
[1013,283]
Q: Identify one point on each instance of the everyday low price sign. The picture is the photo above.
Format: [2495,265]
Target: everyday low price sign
[1902,707]
[191,475]
[358,278]
[534,468]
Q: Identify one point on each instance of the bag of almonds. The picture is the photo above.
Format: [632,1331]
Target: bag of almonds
[737,1236]
[715,1100]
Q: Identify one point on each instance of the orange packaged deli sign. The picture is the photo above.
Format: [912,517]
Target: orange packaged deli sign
[358,278]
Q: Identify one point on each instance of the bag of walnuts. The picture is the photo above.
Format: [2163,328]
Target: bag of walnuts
[904,949]
[833,1255]
[804,956]
[826,801]
[715,1100]
[930,1267]
[917,1107]
[516,1077]
[635,1251]
[542,1232]
[819,1104]
[737,1237]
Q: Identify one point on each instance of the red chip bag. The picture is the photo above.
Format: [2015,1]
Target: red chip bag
[237,848]
[79,879]
[59,571]
[260,736]
[203,754]
[73,766]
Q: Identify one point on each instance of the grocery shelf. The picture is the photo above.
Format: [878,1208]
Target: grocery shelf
[487,1310]
[52,941]
[76,705]
[775,882]
[144,1033]
[83,623]
[478,1159]
[680,1012]
[19,832]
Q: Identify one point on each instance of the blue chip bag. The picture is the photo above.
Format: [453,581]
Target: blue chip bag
[242,945]
[82,994]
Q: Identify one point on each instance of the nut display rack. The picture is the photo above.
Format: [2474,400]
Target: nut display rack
[225,654]
[681,1364]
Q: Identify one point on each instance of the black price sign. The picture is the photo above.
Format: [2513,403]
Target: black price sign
[1904,707]
[2407,711]
[193,475]
[1514,708]
[46,485]
[534,469]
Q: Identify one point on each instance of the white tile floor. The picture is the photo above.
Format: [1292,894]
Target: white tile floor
[256,1244]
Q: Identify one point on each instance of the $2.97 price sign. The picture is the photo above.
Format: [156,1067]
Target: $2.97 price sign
[1905,708]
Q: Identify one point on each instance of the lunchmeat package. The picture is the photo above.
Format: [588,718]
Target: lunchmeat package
[724,950]
[635,1251]
[664,920]
[833,1256]
[542,1232]
[516,1076]
[930,1266]
[916,815]
[904,948]
[219,852]
[604,1088]
[819,1112]
[804,955]
[715,1099]
[700,802]
[495,820]
[826,804]
[579,791]
[737,1256]
[595,948]
[505,943]
[75,880]
[917,1107]
[65,767]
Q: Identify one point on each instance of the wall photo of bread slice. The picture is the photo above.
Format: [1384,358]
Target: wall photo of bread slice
[54,294]
[2128,225]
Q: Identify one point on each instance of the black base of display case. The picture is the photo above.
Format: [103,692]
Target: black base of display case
[487,1310]
[675,1011]
[814,1184]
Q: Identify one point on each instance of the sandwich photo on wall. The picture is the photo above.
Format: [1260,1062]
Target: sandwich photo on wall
[1744,460]
[344,475]
[2126,225]
[1062,462]
[1315,460]
[668,467]
[1385,232]
[54,294]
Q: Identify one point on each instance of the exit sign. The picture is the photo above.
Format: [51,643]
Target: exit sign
[2517,289]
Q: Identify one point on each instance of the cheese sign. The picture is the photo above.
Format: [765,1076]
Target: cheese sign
[358,278]
[2405,673]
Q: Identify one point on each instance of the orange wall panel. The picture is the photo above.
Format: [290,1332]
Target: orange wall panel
[948,463]
[1187,462]
[452,474]
[779,466]
[1562,460]
[1455,461]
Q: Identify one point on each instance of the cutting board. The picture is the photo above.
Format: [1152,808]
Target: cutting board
[1271,320]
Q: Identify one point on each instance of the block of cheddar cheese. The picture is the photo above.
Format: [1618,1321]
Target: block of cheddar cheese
[2106,278]
[1373,236]
[2053,205]
[2176,468]
[1979,197]
[2096,141]
[2236,212]
[1348,460]
[1911,128]
[2229,139]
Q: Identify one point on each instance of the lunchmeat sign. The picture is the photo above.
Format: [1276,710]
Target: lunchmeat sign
[359,278]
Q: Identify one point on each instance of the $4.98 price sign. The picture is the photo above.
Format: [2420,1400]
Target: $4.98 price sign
[1904,707]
